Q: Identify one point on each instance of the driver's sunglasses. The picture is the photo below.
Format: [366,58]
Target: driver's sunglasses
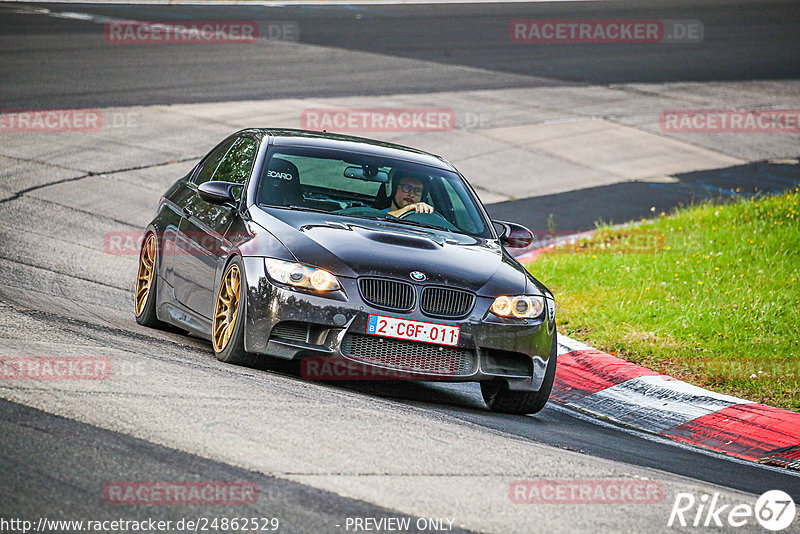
[408,188]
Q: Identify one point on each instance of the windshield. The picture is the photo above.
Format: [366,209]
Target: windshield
[361,185]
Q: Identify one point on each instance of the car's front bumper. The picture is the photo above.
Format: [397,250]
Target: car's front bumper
[488,347]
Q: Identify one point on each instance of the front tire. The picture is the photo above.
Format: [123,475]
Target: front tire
[227,329]
[500,399]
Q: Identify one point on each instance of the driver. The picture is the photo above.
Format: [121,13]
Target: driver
[407,196]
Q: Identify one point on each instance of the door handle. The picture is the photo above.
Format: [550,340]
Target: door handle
[187,211]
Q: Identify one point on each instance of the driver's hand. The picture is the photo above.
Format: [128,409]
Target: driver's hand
[422,207]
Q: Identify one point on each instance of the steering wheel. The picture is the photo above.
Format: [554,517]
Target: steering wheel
[406,214]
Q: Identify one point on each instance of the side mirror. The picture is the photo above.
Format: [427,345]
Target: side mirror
[217,192]
[514,235]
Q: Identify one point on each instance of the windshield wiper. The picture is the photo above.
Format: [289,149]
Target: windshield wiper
[294,207]
[417,223]
[304,208]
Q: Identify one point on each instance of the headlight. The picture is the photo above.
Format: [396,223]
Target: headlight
[521,306]
[299,275]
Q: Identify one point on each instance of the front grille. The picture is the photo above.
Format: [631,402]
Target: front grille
[409,356]
[446,302]
[387,294]
[292,331]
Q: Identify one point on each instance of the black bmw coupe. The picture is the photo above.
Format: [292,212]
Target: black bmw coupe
[305,245]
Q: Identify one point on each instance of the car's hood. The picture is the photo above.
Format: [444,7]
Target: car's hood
[352,247]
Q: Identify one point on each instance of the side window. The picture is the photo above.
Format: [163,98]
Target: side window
[237,164]
[211,163]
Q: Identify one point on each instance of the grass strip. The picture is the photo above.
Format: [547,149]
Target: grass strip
[709,294]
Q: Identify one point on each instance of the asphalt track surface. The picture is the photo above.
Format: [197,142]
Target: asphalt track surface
[35,442]
[53,466]
[63,61]
[742,40]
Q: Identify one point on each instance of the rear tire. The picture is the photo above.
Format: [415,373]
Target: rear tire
[227,328]
[145,297]
[500,399]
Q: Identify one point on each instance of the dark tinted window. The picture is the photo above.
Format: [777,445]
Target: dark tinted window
[211,162]
[237,164]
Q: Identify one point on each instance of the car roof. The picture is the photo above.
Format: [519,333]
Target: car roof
[333,141]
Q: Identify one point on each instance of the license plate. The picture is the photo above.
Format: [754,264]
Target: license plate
[440,334]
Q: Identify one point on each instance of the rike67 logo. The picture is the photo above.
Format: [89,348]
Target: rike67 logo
[774,510]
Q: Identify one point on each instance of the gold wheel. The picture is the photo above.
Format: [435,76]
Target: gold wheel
[225,308]
[144,280]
